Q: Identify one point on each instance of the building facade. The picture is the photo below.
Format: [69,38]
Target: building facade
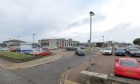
[61,43]
[13,43]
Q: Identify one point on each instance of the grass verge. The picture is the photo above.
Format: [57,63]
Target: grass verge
[17,57]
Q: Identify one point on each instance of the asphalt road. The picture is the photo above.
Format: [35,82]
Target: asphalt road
[43,74]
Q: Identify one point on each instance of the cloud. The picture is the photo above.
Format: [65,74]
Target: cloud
[123,33]
[69,19]
[85,20]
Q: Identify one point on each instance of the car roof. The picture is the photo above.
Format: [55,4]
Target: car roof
[120,48]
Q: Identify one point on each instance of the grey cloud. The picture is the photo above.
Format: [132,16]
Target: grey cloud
[122,32]
[97,18]
[27,16]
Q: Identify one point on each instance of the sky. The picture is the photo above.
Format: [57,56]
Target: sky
[116,20]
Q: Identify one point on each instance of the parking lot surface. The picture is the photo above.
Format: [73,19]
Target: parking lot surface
[105,64]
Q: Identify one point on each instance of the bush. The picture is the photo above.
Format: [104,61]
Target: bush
[137,41]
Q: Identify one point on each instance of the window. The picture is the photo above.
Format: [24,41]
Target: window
[129,63]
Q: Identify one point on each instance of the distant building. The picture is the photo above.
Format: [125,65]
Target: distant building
[61,43]
[2,45]
[99,44]
[109,43]
[13,43]
[36,45]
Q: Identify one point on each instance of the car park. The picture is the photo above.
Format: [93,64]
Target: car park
[107,51]
[120,52]
[129,48]
[134,52]
[127,67]
[79,52]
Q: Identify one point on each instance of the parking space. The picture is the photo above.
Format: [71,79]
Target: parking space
[105,64]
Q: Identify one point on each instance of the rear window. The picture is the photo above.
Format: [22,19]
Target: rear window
[129,63]
[120,50]
[107,49]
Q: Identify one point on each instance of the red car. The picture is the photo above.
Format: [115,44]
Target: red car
[127,67]
[43,53]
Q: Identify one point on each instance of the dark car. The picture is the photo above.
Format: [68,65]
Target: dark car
[120,52]
[79,52]
[134,52]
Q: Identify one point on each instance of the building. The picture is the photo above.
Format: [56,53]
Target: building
[13,43]
[99,44]
[61,43]
[109,43]
[2,45]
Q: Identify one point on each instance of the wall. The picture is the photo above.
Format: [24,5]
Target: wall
[98,78]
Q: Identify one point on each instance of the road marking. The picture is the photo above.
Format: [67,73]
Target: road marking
[67,75]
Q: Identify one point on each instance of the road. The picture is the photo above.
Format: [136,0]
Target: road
[43,74]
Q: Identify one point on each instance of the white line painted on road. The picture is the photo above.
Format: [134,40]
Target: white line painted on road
[67,75]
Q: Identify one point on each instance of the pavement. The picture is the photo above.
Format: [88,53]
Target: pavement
[73,76]
[33,63]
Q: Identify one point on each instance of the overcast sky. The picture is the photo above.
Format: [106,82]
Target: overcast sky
[117,20]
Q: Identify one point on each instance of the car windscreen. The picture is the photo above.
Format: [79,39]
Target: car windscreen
[80,50]
[135,49]
[107,49]
[119,50]
[129,63]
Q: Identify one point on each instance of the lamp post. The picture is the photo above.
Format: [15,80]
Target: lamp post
[103,42]
[91,14]
[34,37]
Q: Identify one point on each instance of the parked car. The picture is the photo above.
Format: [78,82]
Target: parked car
[42,53]
[127,67]
[128,49]
[4,49]
[79,52]
[71,48]
[120,52]
[107,51]
[82,47]
[134,52]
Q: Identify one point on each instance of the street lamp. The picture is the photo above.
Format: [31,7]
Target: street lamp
[103,42]
[34,37]
[91,14]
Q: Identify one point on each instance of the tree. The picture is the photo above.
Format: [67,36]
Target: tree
[137,41]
